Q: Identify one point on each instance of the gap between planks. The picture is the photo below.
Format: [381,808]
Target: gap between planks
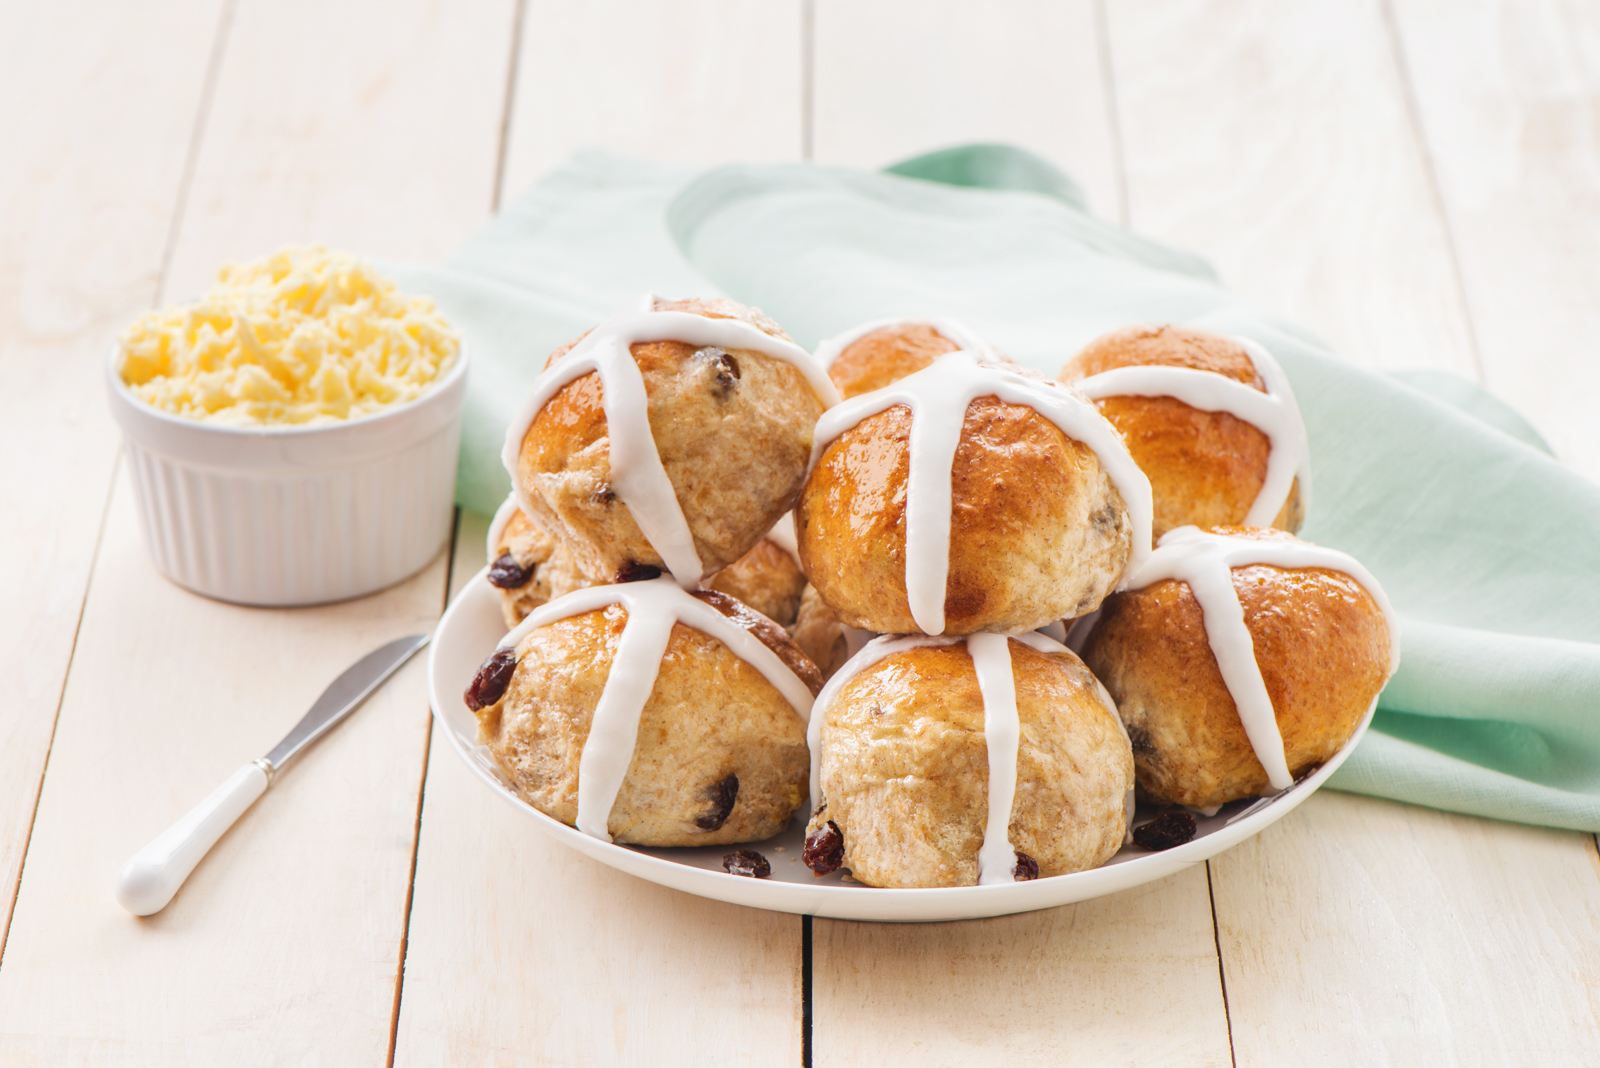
[1222,971]
[808,108]
[1430,171]
[44,769]
[422,790]
[186,177]
[202,116]
[1108,84]
[508,104]
[507,112]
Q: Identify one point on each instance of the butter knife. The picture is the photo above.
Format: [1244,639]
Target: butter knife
[153,875]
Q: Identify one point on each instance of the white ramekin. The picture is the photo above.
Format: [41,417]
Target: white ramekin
[294,515]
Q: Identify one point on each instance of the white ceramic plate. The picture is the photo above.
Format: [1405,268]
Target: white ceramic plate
[472,627]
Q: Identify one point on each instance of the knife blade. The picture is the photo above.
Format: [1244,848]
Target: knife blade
[150,878]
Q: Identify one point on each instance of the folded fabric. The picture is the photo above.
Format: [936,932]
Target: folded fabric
[1485,544]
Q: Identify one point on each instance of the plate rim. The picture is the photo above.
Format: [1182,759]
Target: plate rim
[860,903]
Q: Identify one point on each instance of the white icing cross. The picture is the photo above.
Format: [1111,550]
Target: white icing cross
[938,397]
[637,475]
[652,607]
[1205,561]
[1002,731]
[829,350]
[1274,413]
[1002,737]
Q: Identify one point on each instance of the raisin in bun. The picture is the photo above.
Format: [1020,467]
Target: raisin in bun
[527,564]
[1206,467]
[699,769]
[908,784]
[730,405]
[1039,521]
[1316,632]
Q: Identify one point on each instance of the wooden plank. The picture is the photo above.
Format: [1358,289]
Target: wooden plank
[1361,931]
[1349,930]
[1508,97]
[100,104]
[644,973]
[521,951]
[380,135]
[1274,140]
[495,901]
[892,79]
[285,945]
[1127,979]
[707,81]
[897,78]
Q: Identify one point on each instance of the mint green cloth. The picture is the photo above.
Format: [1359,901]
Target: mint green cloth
[1489,548]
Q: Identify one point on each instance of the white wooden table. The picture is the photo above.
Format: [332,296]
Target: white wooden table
[1417,180]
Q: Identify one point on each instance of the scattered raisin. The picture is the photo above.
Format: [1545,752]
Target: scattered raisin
[603,495]
[1027,868]
[747,862]
[635,572]
[1140,740]
[824,850]
[506,574]
[489,684]
[727,369]
[722,795]
[1165,831]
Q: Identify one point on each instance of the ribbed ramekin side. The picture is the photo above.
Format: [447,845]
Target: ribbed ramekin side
[297,537]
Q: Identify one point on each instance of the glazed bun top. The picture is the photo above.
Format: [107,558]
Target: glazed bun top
[694,416]
[936,401]
[1204,560]
[876,354]
[1165,346]
[1210,419]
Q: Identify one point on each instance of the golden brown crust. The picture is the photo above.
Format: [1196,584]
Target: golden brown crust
[687,746]
[772,636]
[885,356]
[1037,531]
[733,431]
[766,578]
[1323,647]
[551,571]
[819,634]
[905,768]
[723,308]
[1164,346]
[1205,468]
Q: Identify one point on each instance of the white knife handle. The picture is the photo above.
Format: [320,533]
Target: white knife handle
[148,881]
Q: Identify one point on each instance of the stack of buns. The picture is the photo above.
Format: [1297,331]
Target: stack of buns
[953,515]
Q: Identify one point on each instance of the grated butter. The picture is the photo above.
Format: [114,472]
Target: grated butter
[306,335]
